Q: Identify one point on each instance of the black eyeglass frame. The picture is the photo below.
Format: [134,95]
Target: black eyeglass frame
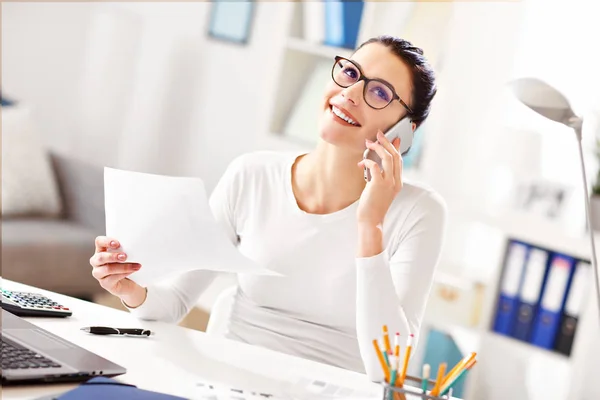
[362,77]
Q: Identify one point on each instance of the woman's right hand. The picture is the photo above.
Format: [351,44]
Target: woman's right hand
[111,271]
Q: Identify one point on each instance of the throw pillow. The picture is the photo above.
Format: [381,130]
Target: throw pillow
[29,186]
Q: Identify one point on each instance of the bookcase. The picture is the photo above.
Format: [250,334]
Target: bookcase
[535,372]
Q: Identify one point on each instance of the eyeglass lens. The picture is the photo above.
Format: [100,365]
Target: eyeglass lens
[377,94]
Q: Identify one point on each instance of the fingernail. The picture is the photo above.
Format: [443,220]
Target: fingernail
[369,141]
[121,256]
[137,266]
[113,243]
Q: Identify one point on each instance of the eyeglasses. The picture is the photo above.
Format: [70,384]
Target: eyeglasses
[377,93]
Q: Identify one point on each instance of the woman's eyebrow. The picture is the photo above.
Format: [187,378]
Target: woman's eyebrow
[379,79]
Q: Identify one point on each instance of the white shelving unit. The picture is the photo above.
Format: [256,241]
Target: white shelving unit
[525,366]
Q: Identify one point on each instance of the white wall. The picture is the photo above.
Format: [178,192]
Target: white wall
[141,86]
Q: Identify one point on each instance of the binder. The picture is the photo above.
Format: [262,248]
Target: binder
[342,22]
[516,257]
[529,295]
[573,307]
[552,301]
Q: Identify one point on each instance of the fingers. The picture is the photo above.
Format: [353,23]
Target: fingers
[398,166]
[114,269]
[102,258]
[393,149]
[387,161]
[374,168]
[103,243]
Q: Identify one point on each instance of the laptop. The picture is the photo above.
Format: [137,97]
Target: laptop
[31,354]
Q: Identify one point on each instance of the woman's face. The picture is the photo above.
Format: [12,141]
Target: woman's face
[376,61]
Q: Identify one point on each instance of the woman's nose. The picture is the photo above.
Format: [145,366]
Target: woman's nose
[353,93]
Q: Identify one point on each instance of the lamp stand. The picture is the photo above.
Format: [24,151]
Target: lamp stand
[577,123]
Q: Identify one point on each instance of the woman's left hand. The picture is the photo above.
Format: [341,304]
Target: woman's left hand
[384,185]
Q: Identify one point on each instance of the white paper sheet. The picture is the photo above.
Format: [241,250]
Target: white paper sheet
[303,389]
[165,223]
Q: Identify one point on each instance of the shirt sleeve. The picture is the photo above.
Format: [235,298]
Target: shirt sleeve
[171,300]
[393,287]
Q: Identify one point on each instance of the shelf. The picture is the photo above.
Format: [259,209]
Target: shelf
[315,49]
[503,343]
[539,231]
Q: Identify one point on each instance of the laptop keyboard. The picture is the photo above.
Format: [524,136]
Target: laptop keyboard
[18,357]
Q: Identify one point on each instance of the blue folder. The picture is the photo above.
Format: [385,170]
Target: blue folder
[535,272]
[101,388]
[342,22]
[552,301]
[508,300]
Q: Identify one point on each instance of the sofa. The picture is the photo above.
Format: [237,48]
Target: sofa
[52,210]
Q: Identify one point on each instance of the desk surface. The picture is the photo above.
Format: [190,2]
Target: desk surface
[175,359]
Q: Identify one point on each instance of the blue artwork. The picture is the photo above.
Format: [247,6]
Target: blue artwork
[6,102]
[231,20]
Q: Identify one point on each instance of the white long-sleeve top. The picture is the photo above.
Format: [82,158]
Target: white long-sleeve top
[329,305]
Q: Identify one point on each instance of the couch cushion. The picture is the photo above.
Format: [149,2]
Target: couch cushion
[28,183]
[81,185]
[50,254]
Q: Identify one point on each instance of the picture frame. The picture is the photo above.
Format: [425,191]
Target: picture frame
[231,21]
[542,197]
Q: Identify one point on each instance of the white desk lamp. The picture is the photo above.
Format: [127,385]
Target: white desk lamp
[550,103]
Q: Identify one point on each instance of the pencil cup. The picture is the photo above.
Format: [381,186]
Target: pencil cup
[412,391]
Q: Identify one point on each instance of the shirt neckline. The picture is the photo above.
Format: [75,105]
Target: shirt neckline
[336,215]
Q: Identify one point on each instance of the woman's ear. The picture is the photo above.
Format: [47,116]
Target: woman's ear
[414,126]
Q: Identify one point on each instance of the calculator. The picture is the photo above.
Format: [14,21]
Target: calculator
[25,304]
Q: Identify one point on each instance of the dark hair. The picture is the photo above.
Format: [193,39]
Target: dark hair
[423,77]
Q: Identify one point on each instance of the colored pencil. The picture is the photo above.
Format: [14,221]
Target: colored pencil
[384,366]
[426,372]
[457,377]
[386,339]
[438,382]
[406,358]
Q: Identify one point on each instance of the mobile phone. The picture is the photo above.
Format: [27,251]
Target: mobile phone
[403,130]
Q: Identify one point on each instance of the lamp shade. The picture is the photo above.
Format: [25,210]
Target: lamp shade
[543,99]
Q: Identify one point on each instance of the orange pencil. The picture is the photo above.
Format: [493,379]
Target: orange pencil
[397,344]
[386,340]
[448,384]
[438,382]
[384,366]
[406,358]
[459,367]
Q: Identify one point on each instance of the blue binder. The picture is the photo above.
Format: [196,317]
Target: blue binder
[576,295]
[552,301]
[515,259]
[529,294]
[342,22]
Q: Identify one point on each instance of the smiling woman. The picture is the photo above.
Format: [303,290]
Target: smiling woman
[353,255]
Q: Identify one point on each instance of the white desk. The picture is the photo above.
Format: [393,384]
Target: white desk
[175,359]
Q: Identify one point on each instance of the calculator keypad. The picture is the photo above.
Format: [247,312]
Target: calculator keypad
[33,301]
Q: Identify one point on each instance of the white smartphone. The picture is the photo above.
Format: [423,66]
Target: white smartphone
[402,130]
